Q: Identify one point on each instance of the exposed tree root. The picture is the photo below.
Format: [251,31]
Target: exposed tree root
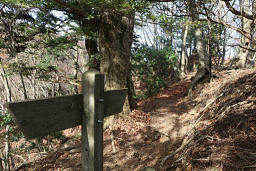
[203,114]
[184,144]
[192,133]
[200,75]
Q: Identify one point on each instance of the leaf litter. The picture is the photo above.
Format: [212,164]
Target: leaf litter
[213,129]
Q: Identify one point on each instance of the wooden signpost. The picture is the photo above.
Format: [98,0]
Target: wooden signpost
[38,118]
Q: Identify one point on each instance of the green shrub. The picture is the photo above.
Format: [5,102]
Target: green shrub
[152,66]
[6,119]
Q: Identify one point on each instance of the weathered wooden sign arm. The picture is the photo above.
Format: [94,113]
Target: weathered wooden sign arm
[40,117]
[37,118]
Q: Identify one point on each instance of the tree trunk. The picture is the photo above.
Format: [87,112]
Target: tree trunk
[246,26]
[5,82]
[131,91]
[210,40]
[204,62]
[200,47]
[221,57]
[1,165]
[7,127]
[224,46]
[183,52]
[23,86]
[93,53]
[253,30]
[115,40]
[204,69]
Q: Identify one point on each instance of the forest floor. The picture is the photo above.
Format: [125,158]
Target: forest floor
[214,128]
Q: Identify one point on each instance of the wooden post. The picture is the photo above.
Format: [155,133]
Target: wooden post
[92,121]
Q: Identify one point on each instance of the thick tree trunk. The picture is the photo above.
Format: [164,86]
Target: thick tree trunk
[204,62]
[131,91]
[115,40]
[93,53]
[204,69]
[201,50]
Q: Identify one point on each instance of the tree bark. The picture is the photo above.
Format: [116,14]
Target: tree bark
[7,127]
[115,40]
[203,70]
[23,86]
[253,30]
[92,51]
[246,26]
[183,52]
[204,62]
[224,46]
[200,47]
[131,91]
[210,40]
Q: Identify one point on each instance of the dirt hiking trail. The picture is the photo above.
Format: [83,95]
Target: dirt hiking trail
[201,124]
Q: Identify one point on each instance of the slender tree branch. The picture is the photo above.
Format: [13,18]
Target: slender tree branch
[77,10]
[236,12]
[244,47]
[241,31]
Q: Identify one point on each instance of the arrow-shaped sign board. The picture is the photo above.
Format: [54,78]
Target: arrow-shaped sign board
[40,117]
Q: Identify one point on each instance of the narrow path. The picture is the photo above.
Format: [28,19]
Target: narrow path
[158,129]
[170,119]
[169,111]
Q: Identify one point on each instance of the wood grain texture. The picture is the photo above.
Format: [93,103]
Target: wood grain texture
[38,118]
[114,101]
[92,124]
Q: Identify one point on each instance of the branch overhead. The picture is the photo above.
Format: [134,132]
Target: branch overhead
[236,12]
